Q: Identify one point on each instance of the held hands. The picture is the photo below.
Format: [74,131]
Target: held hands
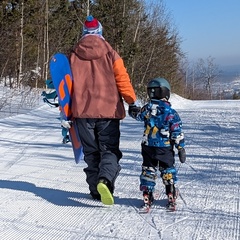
[182,154]
[66,124]
[133,110]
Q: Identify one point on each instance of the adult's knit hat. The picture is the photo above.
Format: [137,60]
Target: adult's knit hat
[92,26]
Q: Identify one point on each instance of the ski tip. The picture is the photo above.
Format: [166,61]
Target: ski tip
[144,209]
[171,207]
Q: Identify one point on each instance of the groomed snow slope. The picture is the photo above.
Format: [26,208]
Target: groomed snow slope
[44,194]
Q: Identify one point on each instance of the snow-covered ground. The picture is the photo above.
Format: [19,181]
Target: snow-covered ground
[44,194]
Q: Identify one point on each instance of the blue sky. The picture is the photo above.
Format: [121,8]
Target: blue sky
[208,28]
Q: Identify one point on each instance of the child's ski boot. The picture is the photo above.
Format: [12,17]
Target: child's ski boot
[169,178]
[147,202]
[172,197]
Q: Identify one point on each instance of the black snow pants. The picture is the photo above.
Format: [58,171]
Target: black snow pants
[100,139]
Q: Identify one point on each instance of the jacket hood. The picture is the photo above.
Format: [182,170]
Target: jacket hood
[91,47]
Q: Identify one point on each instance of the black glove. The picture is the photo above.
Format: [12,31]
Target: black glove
[133,110]
[182,155]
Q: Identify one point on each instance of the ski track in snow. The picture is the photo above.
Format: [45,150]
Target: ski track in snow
[44,194]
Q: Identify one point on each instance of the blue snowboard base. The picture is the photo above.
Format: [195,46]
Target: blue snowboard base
[63,83]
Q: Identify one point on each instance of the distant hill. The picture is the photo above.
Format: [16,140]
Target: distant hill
[229,73]
[228,83]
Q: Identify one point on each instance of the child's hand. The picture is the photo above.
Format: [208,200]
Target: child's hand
[182,155]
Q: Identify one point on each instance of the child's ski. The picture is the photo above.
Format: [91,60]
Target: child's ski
[148,203]
[148,200]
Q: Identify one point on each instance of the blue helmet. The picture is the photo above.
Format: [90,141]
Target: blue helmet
[158,88]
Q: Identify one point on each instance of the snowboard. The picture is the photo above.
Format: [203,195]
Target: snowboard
[62,78]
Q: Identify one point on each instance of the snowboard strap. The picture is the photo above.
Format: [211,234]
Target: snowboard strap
[50,103]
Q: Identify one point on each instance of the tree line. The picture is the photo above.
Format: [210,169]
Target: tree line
[31,31]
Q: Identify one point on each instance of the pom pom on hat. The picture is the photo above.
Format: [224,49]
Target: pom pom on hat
[92,26]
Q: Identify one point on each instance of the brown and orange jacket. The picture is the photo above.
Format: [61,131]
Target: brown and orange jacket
[100,80]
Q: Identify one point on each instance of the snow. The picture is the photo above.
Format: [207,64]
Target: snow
[44,194]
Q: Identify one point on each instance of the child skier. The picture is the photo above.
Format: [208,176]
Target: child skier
[162,131]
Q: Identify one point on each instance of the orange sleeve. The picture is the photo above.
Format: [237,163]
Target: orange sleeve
[123,81]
